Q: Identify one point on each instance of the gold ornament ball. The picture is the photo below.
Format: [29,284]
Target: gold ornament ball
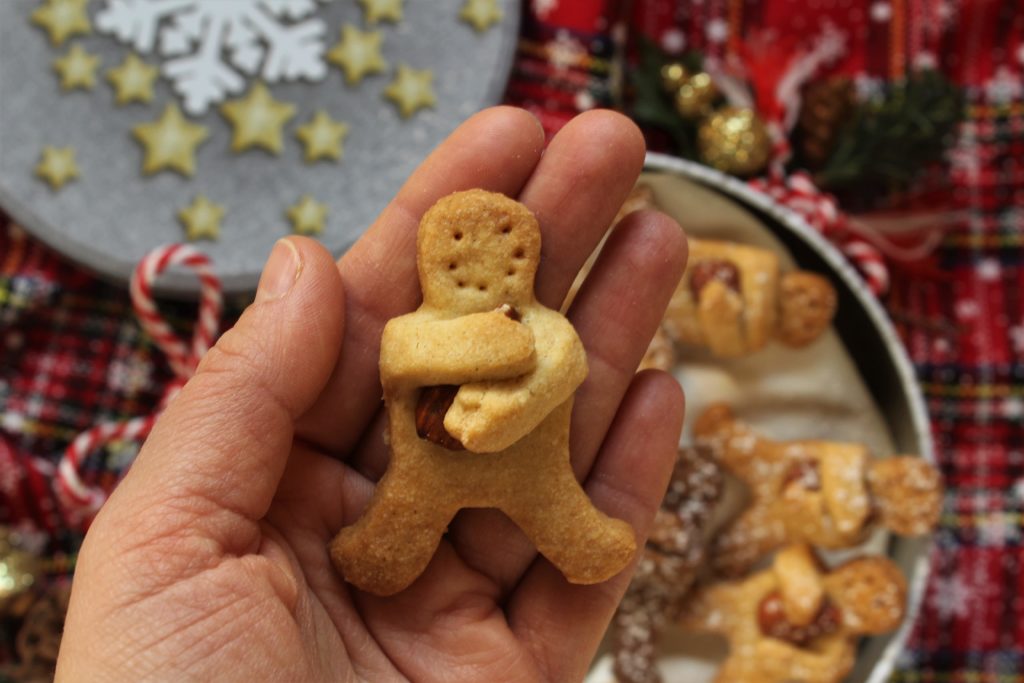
[18,569]
[734,140]
[673,76]
[695,96]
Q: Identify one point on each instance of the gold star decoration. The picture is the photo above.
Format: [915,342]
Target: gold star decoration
[57,166]
[357,54]
[77,69]
[170,142]
[201,219]
[133,80]
[308,216]
[382,10]
[62,19]
[411,90]
[257,119]
[322,137]
[482,14]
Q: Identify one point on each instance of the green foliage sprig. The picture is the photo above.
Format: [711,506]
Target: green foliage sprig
[889,139]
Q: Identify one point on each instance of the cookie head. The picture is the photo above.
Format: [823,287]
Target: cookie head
[908,494]
[477,250]
[807,304]
[870,593]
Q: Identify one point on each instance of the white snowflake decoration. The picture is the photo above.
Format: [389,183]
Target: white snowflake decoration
[952,597]
[584,101]
[1018,490]
[966,309]
[673,41]
[1017,338]
[212,46]
[868,88]
[989,270]
[717,31]
[947,14]
[130,375]
[964,159]
[881,12]
[998,529]
[926,60]
[544,7]
[1004,87]
[1012,219]
[565,52]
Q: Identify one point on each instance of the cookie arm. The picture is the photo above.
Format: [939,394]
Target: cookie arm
[471,348]
[800,583]
[735,670]
[487,417]
[711,608]
[829,661]
[720,312]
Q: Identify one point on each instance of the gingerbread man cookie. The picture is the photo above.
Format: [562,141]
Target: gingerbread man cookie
[478,384]
[825,493]
[669,567]
[798,622]
[734,298]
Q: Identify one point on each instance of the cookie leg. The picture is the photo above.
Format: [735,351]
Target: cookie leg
[744,542]
[736,671]
[586,545]
[394,540]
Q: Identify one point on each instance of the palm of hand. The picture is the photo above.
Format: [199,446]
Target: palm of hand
[209,562]
[274,607]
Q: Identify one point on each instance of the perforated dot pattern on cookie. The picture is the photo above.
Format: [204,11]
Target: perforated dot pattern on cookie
[459,256]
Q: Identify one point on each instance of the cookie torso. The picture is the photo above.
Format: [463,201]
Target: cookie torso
[727,299]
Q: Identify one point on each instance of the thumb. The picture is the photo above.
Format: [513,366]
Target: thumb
[222,444]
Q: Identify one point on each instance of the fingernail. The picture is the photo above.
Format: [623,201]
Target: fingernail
[281,272]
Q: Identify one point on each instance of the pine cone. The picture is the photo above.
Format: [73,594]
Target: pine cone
[827,105]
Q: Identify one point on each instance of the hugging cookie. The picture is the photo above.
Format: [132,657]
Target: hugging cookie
[734,298]
[798,622]
[478,384]
[826,493]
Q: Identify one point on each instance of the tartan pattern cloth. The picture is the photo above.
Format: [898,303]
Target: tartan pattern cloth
[71,353]
[967,341]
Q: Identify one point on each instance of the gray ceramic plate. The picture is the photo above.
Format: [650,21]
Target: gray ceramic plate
[111,216]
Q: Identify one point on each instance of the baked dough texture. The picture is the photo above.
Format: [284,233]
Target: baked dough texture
[514,366]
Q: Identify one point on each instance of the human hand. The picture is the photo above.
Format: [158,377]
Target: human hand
[209,561]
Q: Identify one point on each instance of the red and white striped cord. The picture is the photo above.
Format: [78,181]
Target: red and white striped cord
[80,500]
[797,192]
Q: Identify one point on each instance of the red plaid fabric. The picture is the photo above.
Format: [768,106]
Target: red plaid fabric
[965,333]
[71,353]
